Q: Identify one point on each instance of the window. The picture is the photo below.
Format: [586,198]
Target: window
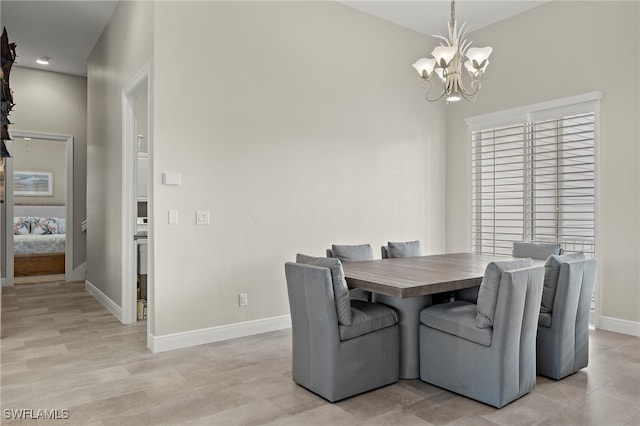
[534,176]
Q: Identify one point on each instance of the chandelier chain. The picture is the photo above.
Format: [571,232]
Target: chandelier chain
[453,12]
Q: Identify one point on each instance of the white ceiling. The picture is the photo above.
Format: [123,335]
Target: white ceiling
[66,31]
[431,16]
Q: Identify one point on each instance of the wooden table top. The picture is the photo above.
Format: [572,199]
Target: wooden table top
[419,276]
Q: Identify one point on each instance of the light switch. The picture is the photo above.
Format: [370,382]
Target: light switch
[173,217]
[171,178]
[202,217]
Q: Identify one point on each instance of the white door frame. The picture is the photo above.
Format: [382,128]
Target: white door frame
[9,248]
[140,82]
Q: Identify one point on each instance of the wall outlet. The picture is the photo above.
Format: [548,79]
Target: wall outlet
[243,299]
[202,217]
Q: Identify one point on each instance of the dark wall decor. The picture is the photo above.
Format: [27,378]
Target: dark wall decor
[8,55]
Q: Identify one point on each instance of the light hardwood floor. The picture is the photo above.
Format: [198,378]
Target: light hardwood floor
[38,279]
[62,350]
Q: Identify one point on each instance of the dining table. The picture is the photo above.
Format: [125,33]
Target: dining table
[409,284]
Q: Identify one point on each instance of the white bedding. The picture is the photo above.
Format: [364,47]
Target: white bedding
[29,244]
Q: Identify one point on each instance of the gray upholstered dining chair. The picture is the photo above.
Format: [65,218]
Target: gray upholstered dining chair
[535,250]
[521,250]
[563,328]
[353,253]
[487,351]
[401,249]
[341,347]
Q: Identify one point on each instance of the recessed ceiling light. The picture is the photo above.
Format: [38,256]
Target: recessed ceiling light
[43,61]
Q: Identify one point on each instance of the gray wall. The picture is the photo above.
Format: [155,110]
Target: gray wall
[304,126]
[298,125]
[51,102]
[122,50]
[552,52]
[42,156]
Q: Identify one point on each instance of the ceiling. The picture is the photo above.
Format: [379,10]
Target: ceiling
[431,16]
[66,31]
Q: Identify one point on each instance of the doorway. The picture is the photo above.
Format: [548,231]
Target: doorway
[33,170]
[137,212]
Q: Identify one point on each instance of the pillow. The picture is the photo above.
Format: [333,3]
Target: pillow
[535,250]
[21,225]
[340,289]
[551,274]
[405,249]
[488,293]
[44,226]
[353,253]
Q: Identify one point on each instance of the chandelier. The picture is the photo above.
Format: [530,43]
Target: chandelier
[447,62]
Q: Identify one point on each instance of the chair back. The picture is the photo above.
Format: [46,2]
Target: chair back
[563,348]
[401,249]
[351,253]
[515,327]
[314,322]
[536,250]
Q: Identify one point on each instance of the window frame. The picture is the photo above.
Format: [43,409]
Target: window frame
[524,115]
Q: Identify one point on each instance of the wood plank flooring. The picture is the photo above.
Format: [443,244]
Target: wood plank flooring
[38,279]
[61,350]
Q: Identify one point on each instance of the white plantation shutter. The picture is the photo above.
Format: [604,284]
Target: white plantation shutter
[562,183]
[534,179]
[498,196]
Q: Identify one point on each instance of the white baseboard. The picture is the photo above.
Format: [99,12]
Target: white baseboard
[79,273]
[103,299]
[620,326]
[4,282]
[186,339]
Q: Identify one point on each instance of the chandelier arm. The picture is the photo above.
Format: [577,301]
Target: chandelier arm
[463,31]
[428,85]
[470,95]
[426,96]
[469,98]
[464,46]
[446,40]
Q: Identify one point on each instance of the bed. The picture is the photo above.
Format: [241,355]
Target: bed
[39,240]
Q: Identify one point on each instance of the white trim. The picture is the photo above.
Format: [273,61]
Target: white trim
[69,207]
[511,114]
[595,315]
[4,282]
[215,334]
[618,325]
[128,244]
[103,299]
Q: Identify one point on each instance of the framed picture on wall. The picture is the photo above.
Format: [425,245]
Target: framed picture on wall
[32,184]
